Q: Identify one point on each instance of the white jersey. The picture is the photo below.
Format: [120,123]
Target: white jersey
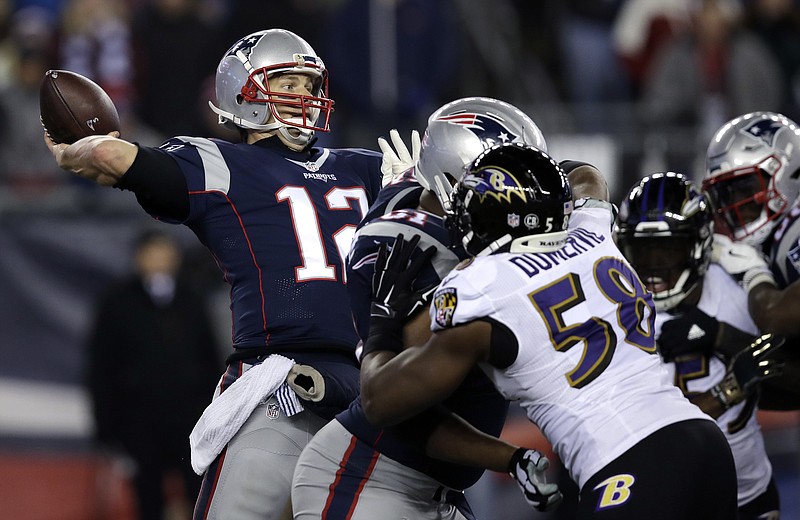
[727,302]
[586,370]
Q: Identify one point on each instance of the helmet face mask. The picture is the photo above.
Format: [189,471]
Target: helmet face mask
[664,229]
[245,82]
[305,109]
[664,264]
[512,198]
[752,167]
[462,129]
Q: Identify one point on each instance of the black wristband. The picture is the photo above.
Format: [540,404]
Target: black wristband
[383,337]
[515,458]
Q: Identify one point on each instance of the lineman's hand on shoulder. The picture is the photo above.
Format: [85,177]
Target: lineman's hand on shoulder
[393,294]
[742,261]
[528,467]
[397,160]
[747,369]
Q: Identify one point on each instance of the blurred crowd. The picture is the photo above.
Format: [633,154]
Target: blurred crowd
[653,75]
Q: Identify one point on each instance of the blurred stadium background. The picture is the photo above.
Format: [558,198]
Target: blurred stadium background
[632,86]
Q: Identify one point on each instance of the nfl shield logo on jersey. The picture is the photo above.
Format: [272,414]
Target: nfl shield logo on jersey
[273,410]
[445,301]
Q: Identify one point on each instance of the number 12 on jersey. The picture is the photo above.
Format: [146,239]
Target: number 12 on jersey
[310,242]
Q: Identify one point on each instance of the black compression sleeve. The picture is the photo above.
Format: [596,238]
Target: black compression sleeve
[158,183]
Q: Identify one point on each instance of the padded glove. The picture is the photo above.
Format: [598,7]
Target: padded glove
[396,163]
[747,369]
[691,332]
[527,468]
[393,294]
[742,261]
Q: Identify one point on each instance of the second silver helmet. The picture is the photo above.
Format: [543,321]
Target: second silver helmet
[460,131]
[752,169]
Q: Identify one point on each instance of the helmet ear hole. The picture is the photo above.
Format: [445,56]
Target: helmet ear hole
[239,99]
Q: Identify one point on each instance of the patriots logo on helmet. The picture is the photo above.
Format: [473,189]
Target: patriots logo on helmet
[486,126]
[497,183]
[764,130]
[245,46]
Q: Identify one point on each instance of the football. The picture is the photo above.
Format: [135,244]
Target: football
[72,106]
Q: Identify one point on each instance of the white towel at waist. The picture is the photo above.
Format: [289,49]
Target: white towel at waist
[228,412]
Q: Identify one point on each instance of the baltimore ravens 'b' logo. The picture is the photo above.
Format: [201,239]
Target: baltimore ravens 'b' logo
[497,183]
[764,130]
[487,127]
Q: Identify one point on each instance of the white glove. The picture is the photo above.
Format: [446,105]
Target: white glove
[307,382]
[395,163]
[742,261]
[527,467]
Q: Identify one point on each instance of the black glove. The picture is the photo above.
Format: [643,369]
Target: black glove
[393,294]
[747,369]
[527,467]
[691,332]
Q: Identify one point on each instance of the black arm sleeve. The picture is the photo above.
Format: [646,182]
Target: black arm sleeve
[158,183]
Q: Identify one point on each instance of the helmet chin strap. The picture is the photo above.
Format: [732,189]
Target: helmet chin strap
[494,246]
[530,244]
[539,243]
[303,137]
[756,232]
[666,300]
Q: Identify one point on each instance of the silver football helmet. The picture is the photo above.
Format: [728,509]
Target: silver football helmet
[244,98]
[460,131]
[752,168]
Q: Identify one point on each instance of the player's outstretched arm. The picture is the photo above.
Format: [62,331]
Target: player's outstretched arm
[457,441]
[776,310]
[103,159]
[396,386]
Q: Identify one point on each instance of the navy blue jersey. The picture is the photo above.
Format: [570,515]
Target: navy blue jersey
[784,254]
[279,224]
[476,400]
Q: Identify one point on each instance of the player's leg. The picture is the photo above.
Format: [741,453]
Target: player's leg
[338,476]
[251,479]
[684,470]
